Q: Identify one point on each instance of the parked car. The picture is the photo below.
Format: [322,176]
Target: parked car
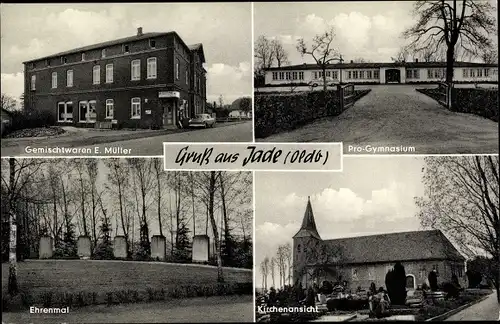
[320,82]
[202,120]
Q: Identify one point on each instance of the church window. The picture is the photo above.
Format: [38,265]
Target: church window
[298,248]
[354,274]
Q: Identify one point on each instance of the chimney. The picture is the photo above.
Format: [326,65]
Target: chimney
[139,31]
[416,60]
[352,61]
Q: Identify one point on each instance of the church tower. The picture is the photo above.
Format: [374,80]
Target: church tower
[305,238]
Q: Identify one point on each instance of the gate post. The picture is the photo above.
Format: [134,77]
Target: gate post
[340,93]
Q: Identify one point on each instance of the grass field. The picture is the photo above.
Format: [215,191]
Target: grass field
[88,282]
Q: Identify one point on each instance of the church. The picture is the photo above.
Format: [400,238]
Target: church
[359,261]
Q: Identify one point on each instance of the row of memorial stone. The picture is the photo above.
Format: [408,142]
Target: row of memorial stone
[200,250]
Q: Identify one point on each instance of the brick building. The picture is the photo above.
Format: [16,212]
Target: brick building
[366,259]
[144,81]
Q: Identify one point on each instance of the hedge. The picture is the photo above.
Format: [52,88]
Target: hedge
[275,113]
[481,102]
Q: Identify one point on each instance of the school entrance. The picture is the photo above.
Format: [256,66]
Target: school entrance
[392,76]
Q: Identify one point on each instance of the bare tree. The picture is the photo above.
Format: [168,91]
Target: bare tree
[272,268]
[490,57]
[287,252]
[265,267]
[279,53]
[264,55]
[118,181]
[322,51]
[462,199]
[281,262]
[466,23]
[17,176]
[402,55]
[8,103]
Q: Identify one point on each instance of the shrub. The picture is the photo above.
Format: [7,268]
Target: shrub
[327,287]
[395,281]
[47,298]
[32,119]
[433,280]
[451,289]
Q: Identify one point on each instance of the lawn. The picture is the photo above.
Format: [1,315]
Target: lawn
[92,281]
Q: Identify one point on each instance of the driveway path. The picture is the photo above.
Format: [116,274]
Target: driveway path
[394,115]
[234,309]
[487,310]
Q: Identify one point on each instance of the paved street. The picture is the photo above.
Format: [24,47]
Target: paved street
[487,310]
[144,145]
[394,115]
[213,309]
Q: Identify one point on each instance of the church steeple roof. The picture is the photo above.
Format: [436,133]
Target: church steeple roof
[308,227]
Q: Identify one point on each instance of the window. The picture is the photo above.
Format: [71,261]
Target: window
[83,56]
[33,82]
[187,77]
[355,74]
[423,273]
[136,70]
[479,73]
[54,80]
[301,75]
[435,267]
[315,75]
[371,273]
[103,53]
[282,75]
[354,273]
[64,60]
[298,248]
[409,74]
[136,108]
[465,73]
[369,74]
[177,69]
[152,43]
[335,74]
[328,74]
[96,74]
[69,78]
[429,74]
[486,72]
[151,68]
[65,112]
[48,62]
[125,48]
[361,74]
[349,74]
[110,105]
[416,74]
[109,73]
[376,74]
[275,75]
[294,75]
[91,115]
[288,75]
[472,74]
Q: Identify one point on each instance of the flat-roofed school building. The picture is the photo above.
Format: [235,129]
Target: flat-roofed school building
[147,80]
[381,73]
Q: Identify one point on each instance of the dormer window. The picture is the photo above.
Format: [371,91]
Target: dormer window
[103,53]
[48,62]
[125,48]
[152,43]
[83,56]
[64,60]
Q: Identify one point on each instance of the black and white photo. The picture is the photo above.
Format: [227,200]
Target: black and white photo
[120,79]
[403,77]
[122,241]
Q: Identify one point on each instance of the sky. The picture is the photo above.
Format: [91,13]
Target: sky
[369,30]
[29,31]
[371,196]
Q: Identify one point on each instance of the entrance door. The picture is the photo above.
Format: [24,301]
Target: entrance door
[168,112]
[392,76]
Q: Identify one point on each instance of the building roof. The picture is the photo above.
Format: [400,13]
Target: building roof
[117,42]
[307,66]
[405,246]
[308,227]
[199,48]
